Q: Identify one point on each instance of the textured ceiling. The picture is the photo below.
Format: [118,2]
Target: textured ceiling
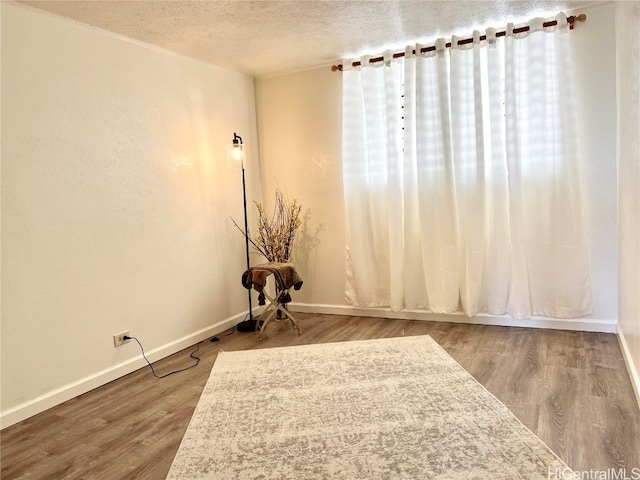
[271,37]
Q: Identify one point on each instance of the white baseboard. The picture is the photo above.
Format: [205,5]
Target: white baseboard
[67,392]
[634,375]
[579,324]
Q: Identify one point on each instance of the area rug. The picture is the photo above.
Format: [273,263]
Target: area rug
[397,408]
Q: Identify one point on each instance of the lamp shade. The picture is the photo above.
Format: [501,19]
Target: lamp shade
[235,153]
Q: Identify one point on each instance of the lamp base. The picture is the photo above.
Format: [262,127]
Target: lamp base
[249,326]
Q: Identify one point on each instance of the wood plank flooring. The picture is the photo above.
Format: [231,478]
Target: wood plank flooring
[570,388]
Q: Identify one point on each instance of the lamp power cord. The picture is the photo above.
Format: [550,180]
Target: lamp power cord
[192,355]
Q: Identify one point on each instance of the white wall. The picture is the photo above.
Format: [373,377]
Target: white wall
[116,199]
[299,122]
[595,67]
[628,62]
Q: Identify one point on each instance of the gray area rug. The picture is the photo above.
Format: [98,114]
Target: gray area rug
[375,409]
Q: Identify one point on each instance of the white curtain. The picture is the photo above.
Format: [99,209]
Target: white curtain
[462,178]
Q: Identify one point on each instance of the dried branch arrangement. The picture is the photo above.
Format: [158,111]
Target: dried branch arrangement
[276,234]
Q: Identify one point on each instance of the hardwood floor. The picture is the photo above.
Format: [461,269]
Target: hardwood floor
[570,388]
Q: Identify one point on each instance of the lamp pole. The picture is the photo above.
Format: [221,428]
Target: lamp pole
[248,325]
[246,241]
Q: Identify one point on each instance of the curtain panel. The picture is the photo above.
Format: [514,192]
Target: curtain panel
[462,178]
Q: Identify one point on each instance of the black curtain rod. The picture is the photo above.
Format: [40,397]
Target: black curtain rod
[570,20]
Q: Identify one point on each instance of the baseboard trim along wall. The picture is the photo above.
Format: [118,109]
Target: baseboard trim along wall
[579,324]
[67,392]
[634,375]
[51,399]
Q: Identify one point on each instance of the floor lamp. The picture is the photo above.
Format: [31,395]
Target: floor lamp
[236,156]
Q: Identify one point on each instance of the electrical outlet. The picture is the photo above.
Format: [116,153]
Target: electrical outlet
[118,338]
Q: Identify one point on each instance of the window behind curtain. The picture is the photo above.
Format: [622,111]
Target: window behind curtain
[462,179]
